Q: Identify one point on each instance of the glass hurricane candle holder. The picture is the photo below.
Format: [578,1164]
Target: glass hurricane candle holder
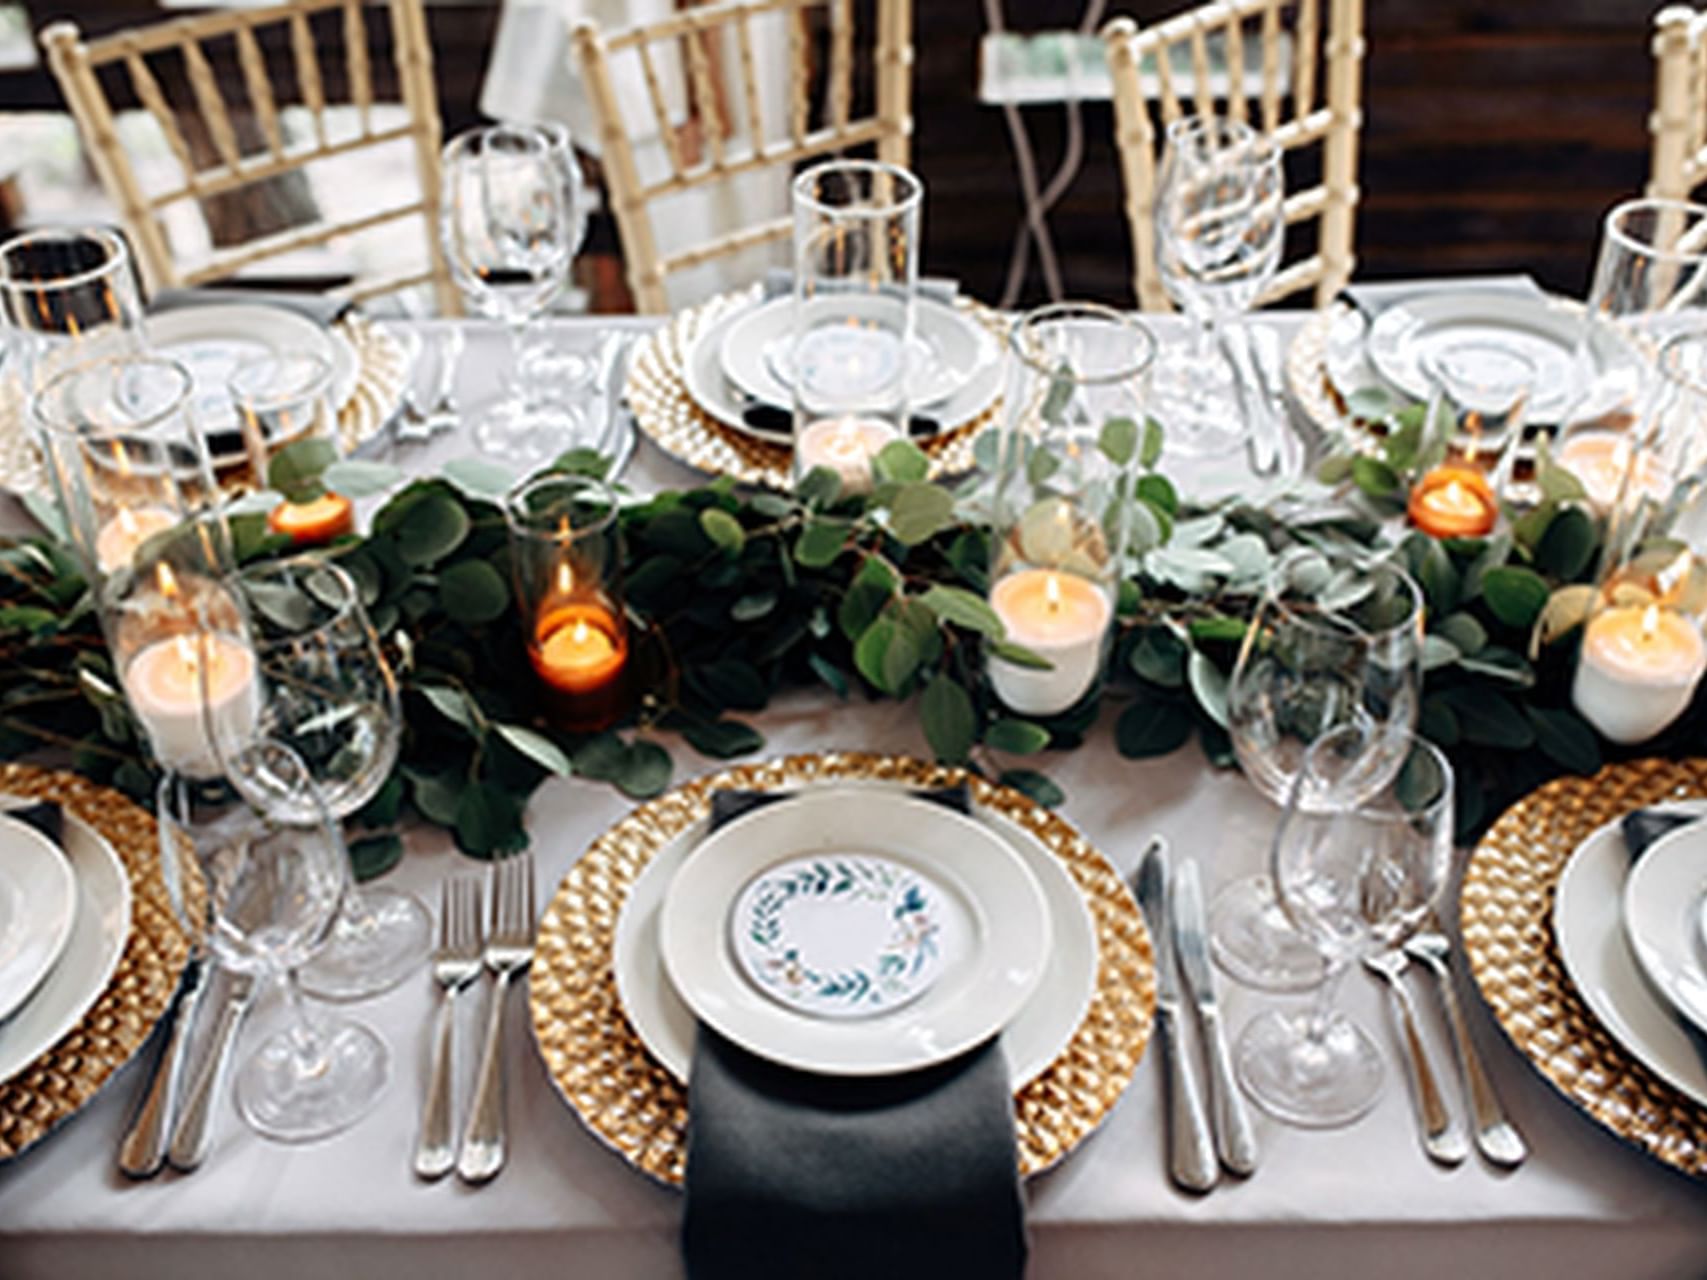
[1643,652]
[70,296]
[1064,499]
[1478,402]
[856,263]
[565,554]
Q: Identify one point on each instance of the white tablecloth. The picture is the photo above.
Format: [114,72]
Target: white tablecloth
[1362,1200]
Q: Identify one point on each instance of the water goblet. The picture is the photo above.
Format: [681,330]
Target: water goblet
[1335,640]
[1357,872]
[1220,225]
[254,865]
[561,375]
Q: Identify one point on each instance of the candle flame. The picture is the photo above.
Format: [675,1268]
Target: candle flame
[1650,622]
[579,634]
[565,578]
[127,523]
[1052,592]
[165,581]
[121,459]
[186,652]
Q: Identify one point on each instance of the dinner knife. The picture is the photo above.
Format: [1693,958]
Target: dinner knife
[191,1132]
[142,1150]
[1191,1147]
[1259,412]
[1235,1138]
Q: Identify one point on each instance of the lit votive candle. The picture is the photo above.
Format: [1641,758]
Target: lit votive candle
[329,516]
[165,687]
[1453,502]
[580,651]
[120,537]
[1600,459]
[1638,670]
[1062,618]
[844,445]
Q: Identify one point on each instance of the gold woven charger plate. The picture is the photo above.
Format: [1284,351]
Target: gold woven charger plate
[382,372]
[57,1085]
[1506,911]
[665,410]
[633,1105]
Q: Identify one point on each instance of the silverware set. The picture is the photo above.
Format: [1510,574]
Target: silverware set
[1174,910]
[441,412]
[1254,351]
[504,949]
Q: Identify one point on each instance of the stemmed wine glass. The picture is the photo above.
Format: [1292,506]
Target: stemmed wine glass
[255,866]
[1357,871]
[328,693]
[1336,640]
[1220,224]
[561,374]
[508,232]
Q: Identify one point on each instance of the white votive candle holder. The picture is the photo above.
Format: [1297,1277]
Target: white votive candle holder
[1064,619]
[1638,670]
[846,446]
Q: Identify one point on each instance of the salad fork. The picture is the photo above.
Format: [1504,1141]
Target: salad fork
[456,963]
[1440,1134]
[509,950]
[1496,1137]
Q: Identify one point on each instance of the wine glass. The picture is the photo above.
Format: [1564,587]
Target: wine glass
[328,693]
[1336,640]
[1357,872]
[561,374]
[1220,224]
[69,296]
[508,230]
[256,868]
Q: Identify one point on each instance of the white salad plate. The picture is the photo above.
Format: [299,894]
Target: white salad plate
[718,395]
[949,350]
[1032,1040]
[1663,898]
[38,902]
[99,929]
[211,341]
[845,935]
[1589,927]
[1546,330]
[984,880]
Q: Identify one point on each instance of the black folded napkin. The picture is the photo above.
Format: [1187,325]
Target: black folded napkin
[316,307]
[805,1177]
[44,815]
[1645,826]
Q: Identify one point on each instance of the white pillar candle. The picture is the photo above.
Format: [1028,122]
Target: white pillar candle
[1060,617]
[1600,458]
[1638,670]
[846,446]
[119,538]
[164,684]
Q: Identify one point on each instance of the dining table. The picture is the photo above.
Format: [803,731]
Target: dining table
[1360,1200]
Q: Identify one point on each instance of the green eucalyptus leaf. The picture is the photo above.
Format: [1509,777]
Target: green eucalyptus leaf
[901,462]
[489,820]
[1438,652]
[645,771]
[820,542]
[1566,738]
[1034,786]
[1208,686]
[1437,577]
[963,609]
[870,649]
[601,758]
[437,795]
[432,529]
[919,512]
[1569,544]
[945,709]
[295,470]
[1150,450]
[1017,737]
[830,674]
[733,682]
[387,802]
[1371,403]
[1040,465]
[1152,727]
[819,487]
[453,704]
[1158,491]
[537,747]
[357,478]
[1374,477]
[1490,719]
[473,593]
[1059,395]
[754,606]
[372,856]
[1463,631]
[723,739]
[1159,657]
[1020,656]
[479,477]
[1218,629]
[1438,722]
[1515,595]
[1118,440]
[1502,666]
[772,506]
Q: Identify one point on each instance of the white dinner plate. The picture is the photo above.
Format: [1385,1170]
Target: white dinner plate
[949,350]
[1546,330]
[210,341]
[38,901]
[1663,898]
[999,902]
[1588,925]
[1032,1040]
[712,391]
[100,926]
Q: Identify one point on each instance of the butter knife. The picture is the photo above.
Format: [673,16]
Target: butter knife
[190,1134]
[1191,1148]
[1234,1137]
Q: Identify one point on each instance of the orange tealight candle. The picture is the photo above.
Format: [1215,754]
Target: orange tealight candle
[580,650]
[329,516]
[1453,502]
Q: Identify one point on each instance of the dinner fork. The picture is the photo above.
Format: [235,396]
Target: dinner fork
[509,950]
[456,963]
[1441,1137]
[1496,1137]
[417,423]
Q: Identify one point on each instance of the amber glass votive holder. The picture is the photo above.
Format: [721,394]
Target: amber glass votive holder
[566,558]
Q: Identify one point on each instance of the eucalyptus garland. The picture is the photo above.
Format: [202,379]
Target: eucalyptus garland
[739,596]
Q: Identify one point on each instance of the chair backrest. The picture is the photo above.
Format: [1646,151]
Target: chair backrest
[1307,97]
[186,49]
[733,137]
[1678,123]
